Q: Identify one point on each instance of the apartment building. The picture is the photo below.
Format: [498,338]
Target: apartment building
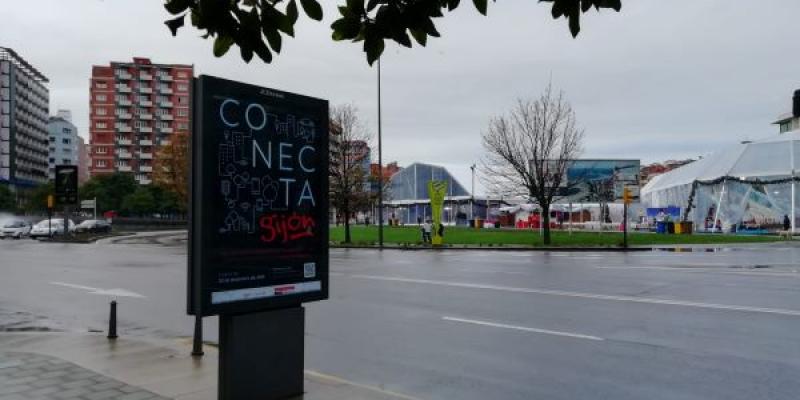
[65,145]
[24,109]
[135,108]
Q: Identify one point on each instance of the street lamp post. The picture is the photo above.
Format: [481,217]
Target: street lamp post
[380,164]
[472,195]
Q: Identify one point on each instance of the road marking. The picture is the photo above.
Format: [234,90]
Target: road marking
[715,270]
[522,328]
[116,292]
[646,300]
[335,379]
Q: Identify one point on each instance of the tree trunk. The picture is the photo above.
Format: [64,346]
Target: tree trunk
[346,212]
[546,223]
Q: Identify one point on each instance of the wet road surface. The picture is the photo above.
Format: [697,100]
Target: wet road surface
[472,324]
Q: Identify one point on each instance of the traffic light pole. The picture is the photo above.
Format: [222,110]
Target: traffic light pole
[625,225]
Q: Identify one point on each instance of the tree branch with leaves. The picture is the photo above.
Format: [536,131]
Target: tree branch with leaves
[257,27]
[529,149]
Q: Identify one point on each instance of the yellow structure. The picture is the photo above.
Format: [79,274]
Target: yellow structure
[436,191]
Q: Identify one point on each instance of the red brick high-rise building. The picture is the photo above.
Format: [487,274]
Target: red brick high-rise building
[134,108]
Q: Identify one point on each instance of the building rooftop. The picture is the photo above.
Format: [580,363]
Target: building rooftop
[10,55]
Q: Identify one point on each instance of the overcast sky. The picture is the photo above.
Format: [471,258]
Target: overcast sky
[660,80]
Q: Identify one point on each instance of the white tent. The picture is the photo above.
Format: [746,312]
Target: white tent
[749,182]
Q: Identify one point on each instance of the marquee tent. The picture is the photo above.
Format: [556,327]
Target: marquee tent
[749,184]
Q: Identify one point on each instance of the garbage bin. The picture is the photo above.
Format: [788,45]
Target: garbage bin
[478,223]
[671,228]
[678,228]
[661,227]
[684,228]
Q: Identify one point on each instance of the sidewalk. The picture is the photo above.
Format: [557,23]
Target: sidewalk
[89,366]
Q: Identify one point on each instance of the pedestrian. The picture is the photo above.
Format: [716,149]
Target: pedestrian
[441,230]
[787,224]
[426,232]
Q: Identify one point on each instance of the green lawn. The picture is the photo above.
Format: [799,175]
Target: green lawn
[363,235]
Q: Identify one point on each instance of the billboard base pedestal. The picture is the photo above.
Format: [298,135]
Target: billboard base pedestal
[261,355]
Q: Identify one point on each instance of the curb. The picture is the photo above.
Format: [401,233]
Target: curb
[563,249]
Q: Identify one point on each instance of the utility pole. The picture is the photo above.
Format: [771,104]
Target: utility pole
[472,195]
[380,164]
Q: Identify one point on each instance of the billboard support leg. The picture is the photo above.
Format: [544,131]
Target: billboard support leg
[261,354]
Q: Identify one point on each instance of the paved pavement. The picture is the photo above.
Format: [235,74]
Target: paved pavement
[473,325]
[90,367]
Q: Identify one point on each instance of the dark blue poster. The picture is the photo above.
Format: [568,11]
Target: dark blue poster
[259,208]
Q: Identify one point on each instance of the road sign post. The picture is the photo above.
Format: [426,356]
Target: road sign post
[66,187]
[258,239]
[627,197]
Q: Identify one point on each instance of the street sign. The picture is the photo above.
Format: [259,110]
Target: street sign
[50,201]
[259,199]
[66,182]
[88,204]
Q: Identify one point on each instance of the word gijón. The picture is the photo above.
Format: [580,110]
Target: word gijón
[286,228]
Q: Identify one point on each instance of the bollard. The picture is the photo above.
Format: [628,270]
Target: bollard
[197,342]
[112,321]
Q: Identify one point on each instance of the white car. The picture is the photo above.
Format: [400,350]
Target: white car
[50,228]
[15,229]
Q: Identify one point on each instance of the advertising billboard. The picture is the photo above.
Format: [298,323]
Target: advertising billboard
[601,181]
[66,185]
[259,199]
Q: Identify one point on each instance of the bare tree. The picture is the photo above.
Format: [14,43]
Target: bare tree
[349,164]
[529,149]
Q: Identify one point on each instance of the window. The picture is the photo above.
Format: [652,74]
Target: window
[101,97]
[100,125]
[100,150]
[183,126]
[100,111]
[182,87]
[182,75]
[66,161]
[66,150]
[162,98]
[52,160]
[66,131]
[101,163]
[101,85]
[144,98]
[121,97]
[66,141]
[183,100]
[52,139]
[183,112]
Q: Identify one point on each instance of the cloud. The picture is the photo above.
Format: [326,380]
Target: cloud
[659,80]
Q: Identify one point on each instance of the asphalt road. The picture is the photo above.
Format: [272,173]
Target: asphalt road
[473,324]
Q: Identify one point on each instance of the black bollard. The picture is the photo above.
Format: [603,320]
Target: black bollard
[112,321]
[197,342]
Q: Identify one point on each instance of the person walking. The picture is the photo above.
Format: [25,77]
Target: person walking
[787,224]
[426,232]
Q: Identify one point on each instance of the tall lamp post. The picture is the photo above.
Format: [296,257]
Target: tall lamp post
[472,195]
[380,164]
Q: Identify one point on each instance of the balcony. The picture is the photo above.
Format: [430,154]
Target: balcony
[166,117]
[124,102]
[164,142]
[123,89]
[146,116]
[124,155]
[165,129]
[123,128]
[165,77]
[165,90]
[145,142]
[145,156]
[145,77]
[124,142]
[145,103]
[144,181]
[165,104]
[124,168]
[124,116]
[124,76]
[145,129]
[145,168]
[145,90]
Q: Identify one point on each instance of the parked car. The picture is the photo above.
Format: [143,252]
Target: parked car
[93,226]
[15,229]
[50,228]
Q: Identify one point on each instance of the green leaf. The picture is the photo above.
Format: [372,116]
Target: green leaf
[480,5]
[374,46]
[175,24]
[291,11]
[274,39]
[246,52]
[356,7]
[420,36]
[176,6]
[312,9]
[346,28]
[222,44]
